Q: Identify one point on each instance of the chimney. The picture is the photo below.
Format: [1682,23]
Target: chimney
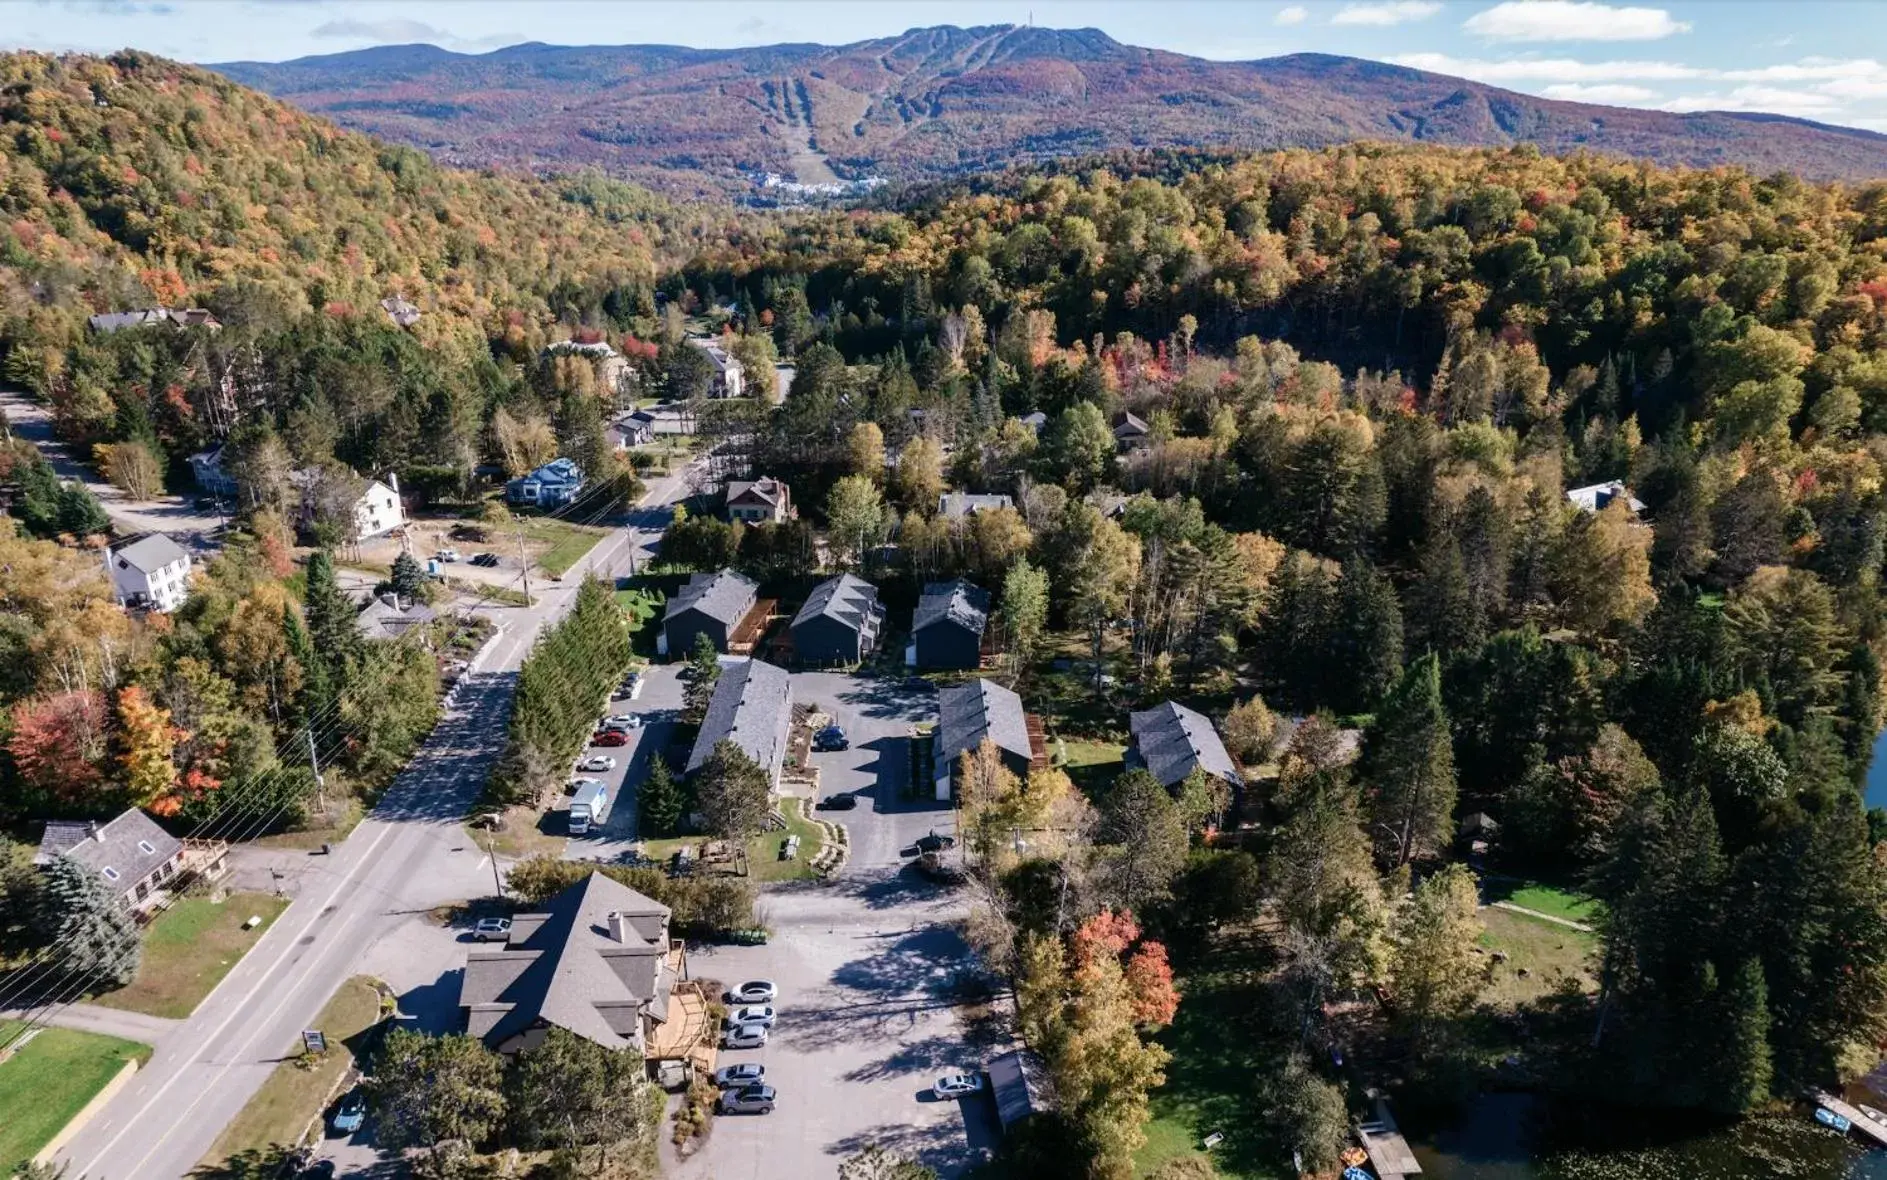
[393,481]
[619,926]
[91,829]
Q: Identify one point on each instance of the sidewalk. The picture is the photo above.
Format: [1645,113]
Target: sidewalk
[92,1018]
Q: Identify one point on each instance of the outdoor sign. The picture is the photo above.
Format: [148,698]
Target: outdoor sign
[313,1041]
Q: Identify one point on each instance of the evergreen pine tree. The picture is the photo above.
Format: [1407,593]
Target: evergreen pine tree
[1365,654]
[1743,1081]
[408,579]
[331,629]
[100,936]
[661,800]
[1409,767]
[80,513]
[1441,608]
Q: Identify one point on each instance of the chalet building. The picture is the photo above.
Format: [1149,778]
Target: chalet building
[1171,742]
[752,707]
[1596,497]
[206,467]
[840,622]
[553,485]
[1130,432]
[947,630]
[709,604]
[758,501]
[378,511]
[153,317]
[727,371]
[400,311]
[968,713]
[151,572]
[958,505]
[597,961]
[135,858]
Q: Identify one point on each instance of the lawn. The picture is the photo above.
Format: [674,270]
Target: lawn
[1090,765]
[293,1096]
[1220,1047]
[565,543]
[1545,899]
[49,1081]
[343,816]
[763,851]
[188,950]
[525,834]
[1547,952]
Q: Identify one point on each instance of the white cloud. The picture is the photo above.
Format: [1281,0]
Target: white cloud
[385,32]
[1549,69]
[1572,20]
[1810,69]
[1773,100]
[1294,15]
[1385,12]
[1612,92]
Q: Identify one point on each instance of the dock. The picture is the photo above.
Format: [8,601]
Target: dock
[1389,1152]
[1866,1127]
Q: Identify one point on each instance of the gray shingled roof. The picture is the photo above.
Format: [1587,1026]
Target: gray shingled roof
[150,553]
[1172,741]
[766,489]
[564,966]
[131,846]
[962,602]
[954,505]
[752,706]
[726,596]
[848,599]
[969,712]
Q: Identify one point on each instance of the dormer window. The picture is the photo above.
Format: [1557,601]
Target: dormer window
[111,874]
[147,847]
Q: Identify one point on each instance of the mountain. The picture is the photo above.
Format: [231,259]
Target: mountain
[942,100]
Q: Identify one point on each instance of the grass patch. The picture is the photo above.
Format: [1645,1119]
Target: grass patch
[1550,954]
[763,851]
[525,834]
[1556,903]
[1090,765]
[49,1081]
[188,950]
[508,595]
[344,815]
[1221,1047]
[294,1094]
[565,543]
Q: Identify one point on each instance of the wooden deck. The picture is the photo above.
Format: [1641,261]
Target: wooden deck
[1389,1152]
[742,639]
[1865,1127]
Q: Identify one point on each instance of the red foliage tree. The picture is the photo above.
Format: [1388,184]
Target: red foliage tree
[58,743]
[1107,932]
[1150,979]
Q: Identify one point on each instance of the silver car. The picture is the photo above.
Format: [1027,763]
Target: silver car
[748,1100]
[736,1077]
[758,1014]
[744,1036]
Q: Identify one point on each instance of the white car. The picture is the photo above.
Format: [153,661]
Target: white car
[623,721]
[756,1015]
[956,1085]
[577,784]
[446,555]
[754,991]
[599,763]
[744,1036]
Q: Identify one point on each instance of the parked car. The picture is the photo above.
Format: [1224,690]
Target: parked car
[754,991]
[610,737]
[351,1113]
[840,802]
[319,1170]
[935,843]
[744,1036]
[956,1085]
[750,1100]
[623,721]
[599,763]
[447,555]
[737,1077]
[754,1014]
[485,559]
[492,930]
[632,687]
[832,737]
[577,784]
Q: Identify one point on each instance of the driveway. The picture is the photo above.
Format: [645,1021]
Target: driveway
[879,993]
[659,706]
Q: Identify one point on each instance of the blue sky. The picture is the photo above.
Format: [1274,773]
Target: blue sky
[1812,58]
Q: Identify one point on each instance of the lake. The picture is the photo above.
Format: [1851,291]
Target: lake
[1877,773]
[1523,1137]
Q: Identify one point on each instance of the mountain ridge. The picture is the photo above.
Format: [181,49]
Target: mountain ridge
[942,100]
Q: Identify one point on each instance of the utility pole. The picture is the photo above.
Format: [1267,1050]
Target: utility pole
[321,785]
[491,850]
[524,564]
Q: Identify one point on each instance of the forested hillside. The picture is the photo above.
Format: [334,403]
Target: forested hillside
[944,100]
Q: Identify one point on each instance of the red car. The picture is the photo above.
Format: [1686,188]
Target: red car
[610,737]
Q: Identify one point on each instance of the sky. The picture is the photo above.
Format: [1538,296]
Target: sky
[1812,58]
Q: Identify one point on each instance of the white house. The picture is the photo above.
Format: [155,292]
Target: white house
[378,509]
[727,370]
[152,571]
[1594,497]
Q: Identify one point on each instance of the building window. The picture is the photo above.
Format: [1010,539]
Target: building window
[147,847]
[144,890]
[111,874]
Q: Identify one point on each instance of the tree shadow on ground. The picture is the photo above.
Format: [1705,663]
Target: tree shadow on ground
[890,698]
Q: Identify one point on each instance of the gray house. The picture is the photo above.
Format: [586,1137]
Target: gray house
[711,605]
[969,712]
[597,962]
[947,630]
[553,485]
[135,857]
[752,707]
[840,622]
[1171,741]
[957,505]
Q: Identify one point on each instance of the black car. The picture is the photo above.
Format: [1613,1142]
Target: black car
[837,803]
[485,559]
[831,738]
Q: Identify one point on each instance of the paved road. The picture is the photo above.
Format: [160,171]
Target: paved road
[95,1018]
[410,855]
[32,421]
